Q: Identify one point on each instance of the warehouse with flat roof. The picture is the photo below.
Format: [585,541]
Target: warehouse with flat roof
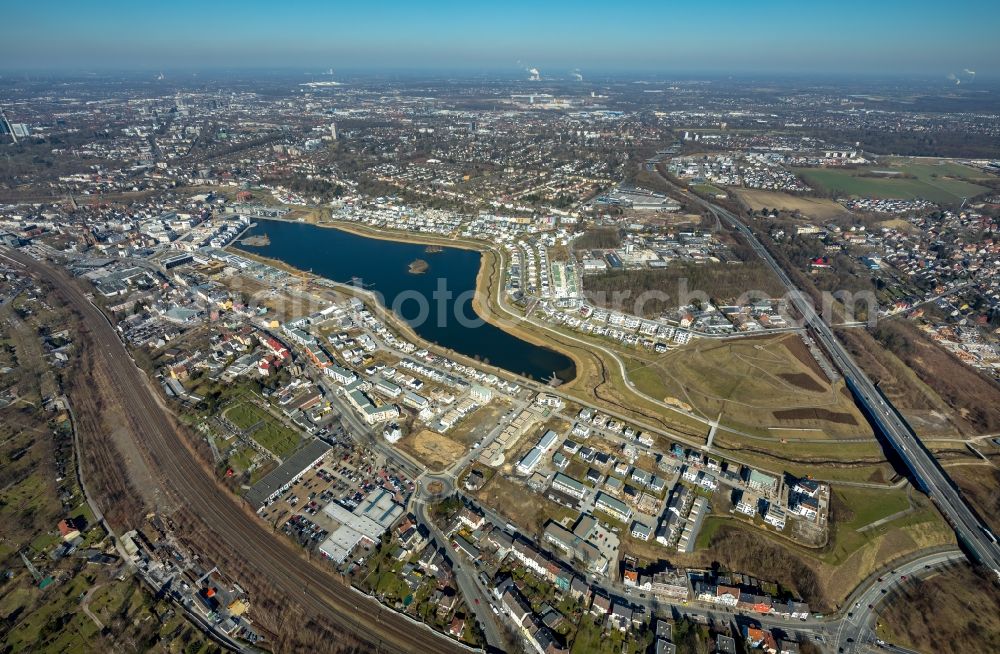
[278,480]
[364,525]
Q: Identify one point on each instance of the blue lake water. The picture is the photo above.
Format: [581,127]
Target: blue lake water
[430,302]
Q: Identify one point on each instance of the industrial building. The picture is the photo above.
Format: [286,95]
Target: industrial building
[281,478]
[364,525]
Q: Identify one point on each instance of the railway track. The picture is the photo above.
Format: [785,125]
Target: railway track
[183,478]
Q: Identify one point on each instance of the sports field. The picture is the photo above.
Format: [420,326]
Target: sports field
[708,189]
[941,181]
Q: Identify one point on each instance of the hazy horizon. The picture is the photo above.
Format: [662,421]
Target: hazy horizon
[923,39]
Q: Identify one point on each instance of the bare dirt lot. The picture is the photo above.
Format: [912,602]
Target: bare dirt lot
[434,449]
[814,208]
[816,414]
[477,424]
[522,505]
[802,380]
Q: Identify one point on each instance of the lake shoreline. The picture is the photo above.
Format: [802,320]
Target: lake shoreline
[484,304]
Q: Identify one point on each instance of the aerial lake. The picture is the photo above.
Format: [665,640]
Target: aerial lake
[388,268]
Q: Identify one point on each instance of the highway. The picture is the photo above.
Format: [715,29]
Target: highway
[856,628]
[847,631]
[277,562]
[317,591]
[927,473]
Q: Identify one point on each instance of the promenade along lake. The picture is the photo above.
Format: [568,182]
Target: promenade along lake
[384,267]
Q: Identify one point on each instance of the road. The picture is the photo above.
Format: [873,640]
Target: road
[834,631]
[318,591]
[928,474]
[277,562]
[365,434]
[857,627]
[467,581]
[85,605]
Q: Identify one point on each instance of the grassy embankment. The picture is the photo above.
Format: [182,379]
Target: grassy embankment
[859,543]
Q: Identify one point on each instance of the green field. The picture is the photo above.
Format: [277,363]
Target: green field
[858,508]
[855,508]
[707,189]
[271,434]
[943,182]
[866,505]
[708,531]
[755,383]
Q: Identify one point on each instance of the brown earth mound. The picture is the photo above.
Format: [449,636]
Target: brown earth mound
[802,380]
[812,413]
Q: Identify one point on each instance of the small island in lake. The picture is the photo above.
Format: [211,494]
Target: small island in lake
[433,249]
[256,241]
[418,266]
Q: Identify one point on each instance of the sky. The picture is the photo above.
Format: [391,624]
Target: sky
[914,37]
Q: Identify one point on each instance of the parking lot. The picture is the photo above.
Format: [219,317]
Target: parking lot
[346,475]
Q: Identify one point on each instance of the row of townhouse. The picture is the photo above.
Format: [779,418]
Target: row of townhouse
[669,584]
[613,506]
[748,600]
[600,421]
[546,568]
[568,485]
[681,518]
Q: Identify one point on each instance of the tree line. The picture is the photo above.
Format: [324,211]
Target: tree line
[721,282]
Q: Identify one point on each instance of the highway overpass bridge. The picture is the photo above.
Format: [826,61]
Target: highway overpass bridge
[979,542]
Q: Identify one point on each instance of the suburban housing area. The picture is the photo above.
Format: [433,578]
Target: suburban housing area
[486,364]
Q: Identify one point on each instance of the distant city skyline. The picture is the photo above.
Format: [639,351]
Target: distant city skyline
[558,38]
